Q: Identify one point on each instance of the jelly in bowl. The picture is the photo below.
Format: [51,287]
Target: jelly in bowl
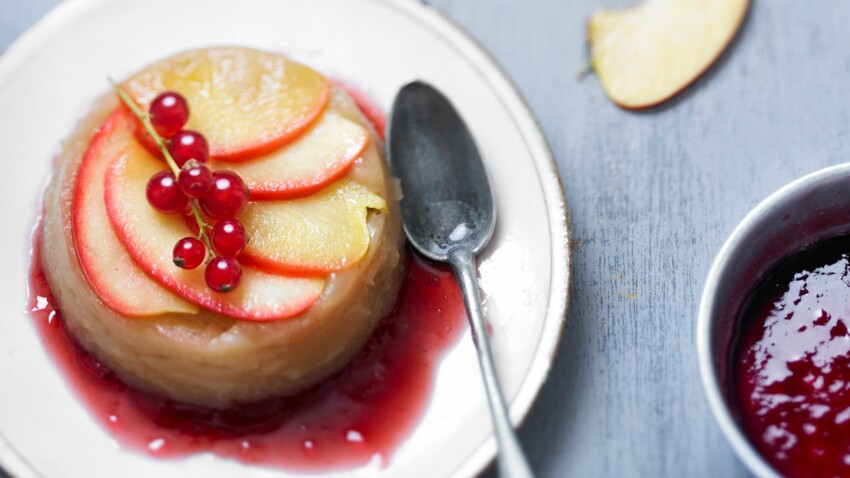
[772,330]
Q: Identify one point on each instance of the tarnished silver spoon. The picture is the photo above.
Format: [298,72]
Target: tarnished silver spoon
[449,216]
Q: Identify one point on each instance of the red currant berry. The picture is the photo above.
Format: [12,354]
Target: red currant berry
[229,238]
[186,145]
[227,197]
[223,274]
[195,179]
[169,113]
[164,194]
[189,253]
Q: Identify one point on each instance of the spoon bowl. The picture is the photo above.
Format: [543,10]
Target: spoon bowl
[447,200]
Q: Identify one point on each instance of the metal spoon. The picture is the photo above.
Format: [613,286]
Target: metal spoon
[449,216]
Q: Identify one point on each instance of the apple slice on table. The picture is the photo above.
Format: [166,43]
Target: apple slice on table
[104,260]
[149,237]
[317,158]
[246,103]
[318,234]
[647,54]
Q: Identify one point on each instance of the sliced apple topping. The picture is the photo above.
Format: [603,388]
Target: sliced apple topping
[317,158]
[245,102]
[646,54]
[103,258]
[318,234]
[149,237]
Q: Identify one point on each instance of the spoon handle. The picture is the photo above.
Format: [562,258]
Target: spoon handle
[512,463]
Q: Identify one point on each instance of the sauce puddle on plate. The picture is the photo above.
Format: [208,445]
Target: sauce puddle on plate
[791,363]
[359,416]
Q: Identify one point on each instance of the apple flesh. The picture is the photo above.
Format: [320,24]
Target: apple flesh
[316,159]
[245,102]
[647,54]
[319,234]
[104,260]
[149,237]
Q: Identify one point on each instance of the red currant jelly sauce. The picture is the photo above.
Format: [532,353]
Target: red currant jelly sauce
[356,417]
[791,363]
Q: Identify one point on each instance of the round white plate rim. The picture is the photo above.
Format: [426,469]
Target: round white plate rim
[545,167]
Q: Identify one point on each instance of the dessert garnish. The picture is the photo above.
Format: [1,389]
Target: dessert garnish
[189,185]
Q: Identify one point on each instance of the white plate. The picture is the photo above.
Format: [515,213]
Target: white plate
[48,80]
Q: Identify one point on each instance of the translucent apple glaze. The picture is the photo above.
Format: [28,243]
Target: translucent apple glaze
[354,418]
[791,364]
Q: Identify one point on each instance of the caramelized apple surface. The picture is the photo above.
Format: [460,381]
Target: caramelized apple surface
[207,357]
[106,263]
[306,165]
[319,234]
[246,102]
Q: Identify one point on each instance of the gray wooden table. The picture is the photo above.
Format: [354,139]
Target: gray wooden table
[652,197]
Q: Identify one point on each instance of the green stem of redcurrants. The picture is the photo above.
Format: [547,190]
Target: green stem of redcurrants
[160,143]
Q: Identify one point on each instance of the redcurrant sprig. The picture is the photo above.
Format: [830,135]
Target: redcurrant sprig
[222,195]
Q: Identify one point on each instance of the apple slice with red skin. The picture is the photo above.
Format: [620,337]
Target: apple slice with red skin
[245,102]
[646,54]
[316,159]
[104,260]
[149,237]
[319,234]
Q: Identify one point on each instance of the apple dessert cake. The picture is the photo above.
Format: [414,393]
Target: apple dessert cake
[223,229]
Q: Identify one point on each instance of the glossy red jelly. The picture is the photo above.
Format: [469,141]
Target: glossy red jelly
[791,369]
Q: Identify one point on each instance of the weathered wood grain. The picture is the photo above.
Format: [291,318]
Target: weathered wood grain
[652,196]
